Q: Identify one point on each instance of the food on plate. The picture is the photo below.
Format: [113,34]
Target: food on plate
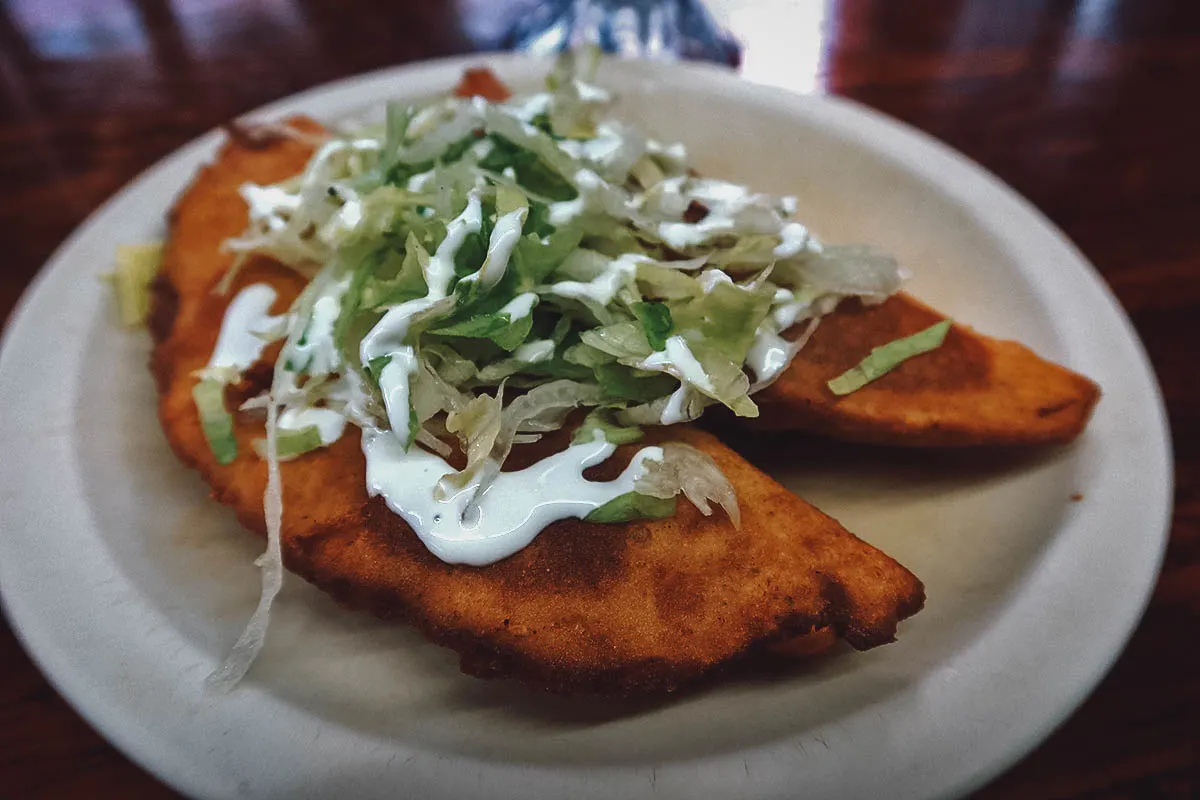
[448,366]
[970,390]
[586,607]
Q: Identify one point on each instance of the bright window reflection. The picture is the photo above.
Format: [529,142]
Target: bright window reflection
[784,41]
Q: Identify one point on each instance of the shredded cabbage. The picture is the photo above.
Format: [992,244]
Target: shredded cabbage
[599,258]
[600,420]
[631,506]
[479,270]
[685,469]
[215,420]
[885,358]
[245,650]
[684,405]
[292,444]
[847,271]
[135,267]
[477,426]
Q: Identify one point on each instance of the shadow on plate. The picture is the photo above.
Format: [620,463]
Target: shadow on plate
[880,470]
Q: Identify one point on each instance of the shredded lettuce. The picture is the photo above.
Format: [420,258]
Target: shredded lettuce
[477,426]
[685,469]
[631,506]
[726,317]
[209,396]
[670,410]
[525,261]
[529,170]
[626,383]
[656,322]
[399,275]
[246,649]
[536,257]
[497,326]
[135,267]
[596,259]
[647,172]
[849,270]
[885,358]
[600,420]
[542,409]
[292,443]
[621,340]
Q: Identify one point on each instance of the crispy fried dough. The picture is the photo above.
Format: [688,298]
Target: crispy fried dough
[973,390]
[630,608]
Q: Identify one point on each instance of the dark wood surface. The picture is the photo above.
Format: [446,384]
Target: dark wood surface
[1090,109]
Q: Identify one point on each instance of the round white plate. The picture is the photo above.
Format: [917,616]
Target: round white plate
[127,584]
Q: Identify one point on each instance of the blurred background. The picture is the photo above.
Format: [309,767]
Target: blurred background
[1086,107]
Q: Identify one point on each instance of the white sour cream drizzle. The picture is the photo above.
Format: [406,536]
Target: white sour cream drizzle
[678,404]
[769,354]
[247,322]
[677,359]
[601,149]
[504,238]
[345,220]
[731,208]
[330,424]
[534,352]
[269,205]
[711,278]
[386,339]
[604,287]
[794,240]
[529,108]
[595,196]
[520,306]
[419,182]
[513,510]
[316,351]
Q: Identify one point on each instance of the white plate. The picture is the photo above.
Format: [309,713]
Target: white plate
[127,584]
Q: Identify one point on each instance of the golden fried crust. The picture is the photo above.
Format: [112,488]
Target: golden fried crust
[638,607]
[973,390]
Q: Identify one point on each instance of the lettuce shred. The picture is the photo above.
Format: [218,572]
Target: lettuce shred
[246,649]
[209,397]
[631,506]
[600,258]
[685,469]
[885,358]
[134,270]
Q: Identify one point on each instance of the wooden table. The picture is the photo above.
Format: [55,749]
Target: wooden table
[1090,109]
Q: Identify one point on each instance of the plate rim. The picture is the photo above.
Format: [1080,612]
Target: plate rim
[1118,633]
